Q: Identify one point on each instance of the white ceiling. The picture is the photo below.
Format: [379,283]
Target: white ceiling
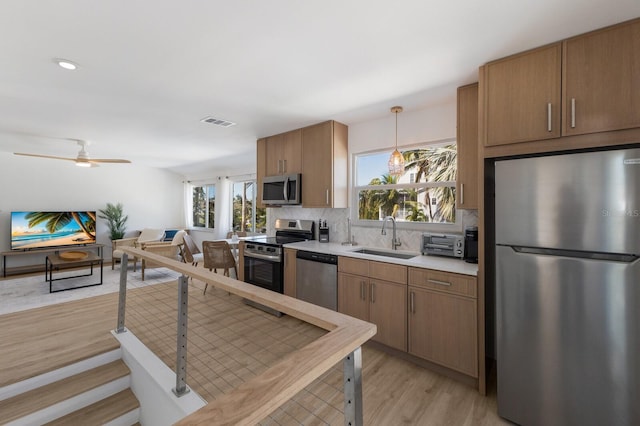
[150,70]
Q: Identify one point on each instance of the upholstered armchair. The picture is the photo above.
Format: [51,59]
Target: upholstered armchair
[171,250]
[147,235]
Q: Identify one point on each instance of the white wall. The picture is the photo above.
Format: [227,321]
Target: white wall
[425,125]
[151,197]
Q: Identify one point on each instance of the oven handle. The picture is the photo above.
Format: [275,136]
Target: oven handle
[262,256]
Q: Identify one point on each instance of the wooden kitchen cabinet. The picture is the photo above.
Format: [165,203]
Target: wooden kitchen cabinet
[324,165]
[352,295]
[583,85]
[290,272]
[467,141]
[442,324]
[601,88]
[283,154]
[522,96]
[364,293]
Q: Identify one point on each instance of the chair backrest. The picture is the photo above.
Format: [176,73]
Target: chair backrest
[178,238]
[238,233]
[190,244]
[217,255]
[149,234]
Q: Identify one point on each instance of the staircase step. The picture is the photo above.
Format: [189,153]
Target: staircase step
[47,396]
[103,411]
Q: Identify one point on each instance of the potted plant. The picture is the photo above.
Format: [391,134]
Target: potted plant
[116,220]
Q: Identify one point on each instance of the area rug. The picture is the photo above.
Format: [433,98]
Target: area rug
[32,291]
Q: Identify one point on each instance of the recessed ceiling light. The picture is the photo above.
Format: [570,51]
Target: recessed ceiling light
[66,64]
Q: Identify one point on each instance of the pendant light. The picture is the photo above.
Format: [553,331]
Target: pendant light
[396,161]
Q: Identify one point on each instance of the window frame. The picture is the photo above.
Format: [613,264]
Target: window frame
[254,206]
[207,208]
[403,225]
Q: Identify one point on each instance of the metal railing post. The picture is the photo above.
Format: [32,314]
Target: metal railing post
[122,298]
[353,388]
[181,348]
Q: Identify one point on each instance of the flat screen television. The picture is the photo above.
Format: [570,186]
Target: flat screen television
[37,230]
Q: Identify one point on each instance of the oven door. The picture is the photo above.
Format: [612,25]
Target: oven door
[264,271]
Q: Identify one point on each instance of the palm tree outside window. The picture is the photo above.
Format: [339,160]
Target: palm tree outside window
[425,193]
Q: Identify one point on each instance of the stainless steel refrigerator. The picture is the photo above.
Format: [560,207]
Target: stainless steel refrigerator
[567,232]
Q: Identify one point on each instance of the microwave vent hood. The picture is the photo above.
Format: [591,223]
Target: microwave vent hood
[282,190]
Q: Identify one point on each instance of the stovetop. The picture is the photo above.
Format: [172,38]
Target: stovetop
[276,241]
[288,231]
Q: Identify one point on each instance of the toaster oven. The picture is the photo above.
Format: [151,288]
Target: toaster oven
[451,245]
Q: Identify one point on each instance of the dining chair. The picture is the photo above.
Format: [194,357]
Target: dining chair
[190,251]
[218,255]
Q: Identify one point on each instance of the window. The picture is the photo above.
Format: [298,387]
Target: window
[204,203]
[246,216]
[425,193]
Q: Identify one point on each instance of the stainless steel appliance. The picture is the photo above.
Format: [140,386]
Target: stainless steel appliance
[442,244]
[317,278]
[264,258]
[282,189]
[568,288]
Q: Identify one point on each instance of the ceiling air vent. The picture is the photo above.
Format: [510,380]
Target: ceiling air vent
[218,122]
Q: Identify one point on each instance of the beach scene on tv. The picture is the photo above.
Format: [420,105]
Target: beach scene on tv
[33,230]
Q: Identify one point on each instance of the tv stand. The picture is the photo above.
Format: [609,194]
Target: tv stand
[40,266]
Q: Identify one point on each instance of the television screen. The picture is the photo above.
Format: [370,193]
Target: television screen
[34,230]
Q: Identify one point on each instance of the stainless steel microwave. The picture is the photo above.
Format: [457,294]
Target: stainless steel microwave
[281,190]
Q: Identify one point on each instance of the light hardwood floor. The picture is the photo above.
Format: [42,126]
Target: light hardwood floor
[229,343]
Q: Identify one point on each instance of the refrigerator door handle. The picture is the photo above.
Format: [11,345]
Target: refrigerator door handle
[610,257]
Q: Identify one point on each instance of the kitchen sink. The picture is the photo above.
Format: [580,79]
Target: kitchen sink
[394,254]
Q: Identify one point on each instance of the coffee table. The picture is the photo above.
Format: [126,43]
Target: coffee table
[56,263]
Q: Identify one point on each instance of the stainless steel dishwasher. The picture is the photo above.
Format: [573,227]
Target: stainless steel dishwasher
[317,278]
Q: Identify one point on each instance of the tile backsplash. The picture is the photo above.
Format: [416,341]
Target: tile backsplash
[364,236]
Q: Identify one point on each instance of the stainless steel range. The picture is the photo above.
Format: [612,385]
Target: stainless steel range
[264,258]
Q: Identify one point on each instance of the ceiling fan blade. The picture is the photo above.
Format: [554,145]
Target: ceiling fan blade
[108,160]
[45,156]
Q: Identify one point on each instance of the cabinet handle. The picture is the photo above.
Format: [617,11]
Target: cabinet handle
[412,302]
[439,282]
[573,113]
[279,167]
[327,197]
[362,290]
[373,292]
[461,194]
[284,166]
[549,117]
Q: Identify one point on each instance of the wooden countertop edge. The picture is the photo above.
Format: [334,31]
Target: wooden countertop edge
[254,400]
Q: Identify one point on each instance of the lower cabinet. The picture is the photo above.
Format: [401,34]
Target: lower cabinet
[379,301]
[443,319]
[430,314]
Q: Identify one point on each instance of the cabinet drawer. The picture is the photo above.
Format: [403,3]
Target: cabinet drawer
[353,266]
[388,272]
[443,281]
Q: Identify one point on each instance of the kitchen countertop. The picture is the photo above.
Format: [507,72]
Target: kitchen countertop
[439,263]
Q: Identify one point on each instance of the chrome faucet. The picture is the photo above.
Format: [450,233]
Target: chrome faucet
[395,242]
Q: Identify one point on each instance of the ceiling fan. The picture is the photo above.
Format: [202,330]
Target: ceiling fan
[83,159]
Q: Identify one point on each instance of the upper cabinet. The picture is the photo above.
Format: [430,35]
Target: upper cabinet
[467,193]
[586,84]
[601,84]
[319,152]
[284,153]
[324,165]
[522,96]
